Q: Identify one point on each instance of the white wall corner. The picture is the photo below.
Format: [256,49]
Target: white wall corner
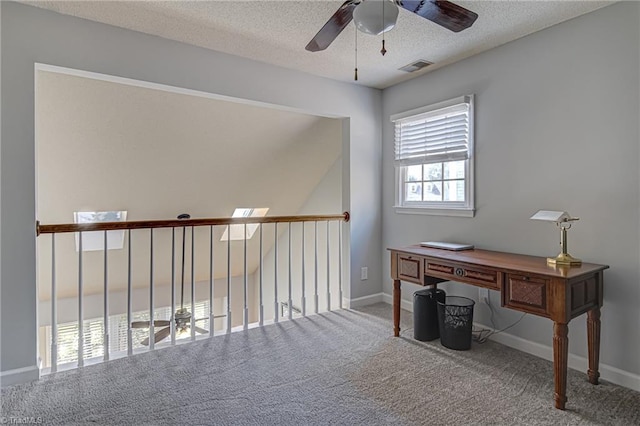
[19,375]
[576,362]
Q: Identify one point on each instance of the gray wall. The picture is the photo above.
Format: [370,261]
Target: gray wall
[556,128]
[31,35]
[324,199]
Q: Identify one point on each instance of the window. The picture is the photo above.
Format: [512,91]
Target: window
[434,158]
[237,231]
[94,240]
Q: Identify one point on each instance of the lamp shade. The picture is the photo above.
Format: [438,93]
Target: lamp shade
[375,16]
[552,216]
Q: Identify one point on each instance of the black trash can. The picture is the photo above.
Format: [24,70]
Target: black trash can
[455,318]
[425,314]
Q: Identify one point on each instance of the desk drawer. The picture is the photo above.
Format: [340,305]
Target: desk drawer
[410,268]
[526,293]
[466,274]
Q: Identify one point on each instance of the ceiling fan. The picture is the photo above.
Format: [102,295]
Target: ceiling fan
[444,13]
[182,316]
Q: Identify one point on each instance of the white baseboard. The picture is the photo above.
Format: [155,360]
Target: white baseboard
[404,304]
[575,362]
[19,375]
[363,301]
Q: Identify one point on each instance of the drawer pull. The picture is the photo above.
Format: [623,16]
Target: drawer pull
[459,272]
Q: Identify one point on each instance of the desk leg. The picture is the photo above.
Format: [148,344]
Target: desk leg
[593,339]
[560,355]
[396,308]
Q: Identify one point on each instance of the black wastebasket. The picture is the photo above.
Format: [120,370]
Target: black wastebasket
[455,318]
[425,314]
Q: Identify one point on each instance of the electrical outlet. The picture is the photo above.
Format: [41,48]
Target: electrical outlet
[364,273]
[483,295]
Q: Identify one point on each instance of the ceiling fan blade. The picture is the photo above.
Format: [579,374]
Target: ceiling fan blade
[333,27]
[145,324]
[162,334]
[201,330]
[158,336]
[449,15]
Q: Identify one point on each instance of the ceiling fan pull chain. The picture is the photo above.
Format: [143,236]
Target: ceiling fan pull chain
[383,50]
[356,69]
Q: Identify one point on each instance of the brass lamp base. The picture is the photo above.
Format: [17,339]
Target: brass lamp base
[564,259]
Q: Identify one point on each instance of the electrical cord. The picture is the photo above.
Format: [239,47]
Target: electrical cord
[483,334]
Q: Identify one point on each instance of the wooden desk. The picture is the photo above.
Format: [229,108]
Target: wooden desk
[526,284]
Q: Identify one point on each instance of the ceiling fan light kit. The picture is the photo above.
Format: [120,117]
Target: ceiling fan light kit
[375,16]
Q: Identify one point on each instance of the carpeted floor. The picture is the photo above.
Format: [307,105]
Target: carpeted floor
[341,367]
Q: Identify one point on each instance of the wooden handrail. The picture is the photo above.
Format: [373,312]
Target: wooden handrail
[178,223]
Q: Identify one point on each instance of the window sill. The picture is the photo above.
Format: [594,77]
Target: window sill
[462,212]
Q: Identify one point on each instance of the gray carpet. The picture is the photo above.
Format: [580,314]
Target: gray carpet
[341,367]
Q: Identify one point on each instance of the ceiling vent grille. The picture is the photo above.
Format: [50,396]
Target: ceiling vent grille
[415,66]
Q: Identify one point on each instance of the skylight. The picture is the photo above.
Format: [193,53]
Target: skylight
[94,240]
[237,231]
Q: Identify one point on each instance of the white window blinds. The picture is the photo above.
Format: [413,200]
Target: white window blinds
[434,134]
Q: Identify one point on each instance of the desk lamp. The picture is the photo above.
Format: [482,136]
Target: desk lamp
[563,220]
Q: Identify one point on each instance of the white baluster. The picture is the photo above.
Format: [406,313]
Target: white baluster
[54,308]
[289,302]
[106,302]
[275,277]
[229,279]
[303,301]
[80,313]
[340,260]
[315,284]
[261,319]
[129,302]
[152,341]
[172,320]
[328,271]
[193,287]
[211,279]
[245,317]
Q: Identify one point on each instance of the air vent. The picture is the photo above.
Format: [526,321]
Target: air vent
[415,66]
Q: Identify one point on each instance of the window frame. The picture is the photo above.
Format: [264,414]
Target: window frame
[439,208]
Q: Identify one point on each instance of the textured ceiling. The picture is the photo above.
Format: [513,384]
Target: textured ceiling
[276,32]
